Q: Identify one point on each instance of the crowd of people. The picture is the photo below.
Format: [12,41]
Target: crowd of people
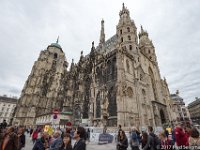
[181,137]
[14,138]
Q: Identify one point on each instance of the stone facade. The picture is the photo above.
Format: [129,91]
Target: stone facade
[118,82]
[194,109]
[43,91]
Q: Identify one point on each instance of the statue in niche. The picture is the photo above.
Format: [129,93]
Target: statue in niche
[105,102]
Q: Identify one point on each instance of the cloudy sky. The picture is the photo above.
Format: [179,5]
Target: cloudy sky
[27,27]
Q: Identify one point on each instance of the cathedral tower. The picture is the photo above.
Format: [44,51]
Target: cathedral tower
[42,91]
[127,31]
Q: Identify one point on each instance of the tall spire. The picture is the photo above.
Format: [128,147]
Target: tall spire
[57,40]
[143,32]
[123,11]
[102,34]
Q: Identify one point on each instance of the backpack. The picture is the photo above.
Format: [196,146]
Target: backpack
[134,139]
[155,142]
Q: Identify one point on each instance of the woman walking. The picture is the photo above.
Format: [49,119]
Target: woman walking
[66,145]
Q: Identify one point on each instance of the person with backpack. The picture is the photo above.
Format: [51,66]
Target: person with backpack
[155,141]
[134,140]
[146,140]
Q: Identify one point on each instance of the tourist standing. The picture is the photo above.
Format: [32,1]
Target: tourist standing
[180,136]
[146,139]
[34,135]
[79,136]
[134,140]
[10,140]
[165,142]
[122,143]
[67,144]
[22,138]
[42,143]
[57,142]
[154,140]
[194,139]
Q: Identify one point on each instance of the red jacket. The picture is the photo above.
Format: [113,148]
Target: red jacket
[35,135]
[181,137]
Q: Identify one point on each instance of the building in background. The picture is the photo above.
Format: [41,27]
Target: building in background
[179,110]
[194,109]
[118,82]
[7,108]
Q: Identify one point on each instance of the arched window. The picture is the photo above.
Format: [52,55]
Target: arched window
[98,106]
[112,107]
[130,92]
[122,39]
[127,66]
[55,56]
[153,83]
[128,29]
[130,47]
[129,37]
[143,95]
[121,31]
[149,52]
[114,68]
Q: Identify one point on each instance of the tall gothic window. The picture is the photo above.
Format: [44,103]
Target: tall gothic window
[122,39]
[129,37]
[114,68]
[130,47]
[98,106]
[128,29]
[109,70]
[112,107]
[121,31]
[153,83]
[127,66]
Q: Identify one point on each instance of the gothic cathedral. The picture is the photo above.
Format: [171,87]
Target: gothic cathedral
[118,82]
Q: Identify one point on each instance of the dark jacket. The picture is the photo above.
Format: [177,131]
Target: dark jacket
[122,145]
[22,141]
[13,143]
[63,147]
[39,144]
[80,145]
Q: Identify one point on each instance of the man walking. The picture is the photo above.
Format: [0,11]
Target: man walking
[79,136]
